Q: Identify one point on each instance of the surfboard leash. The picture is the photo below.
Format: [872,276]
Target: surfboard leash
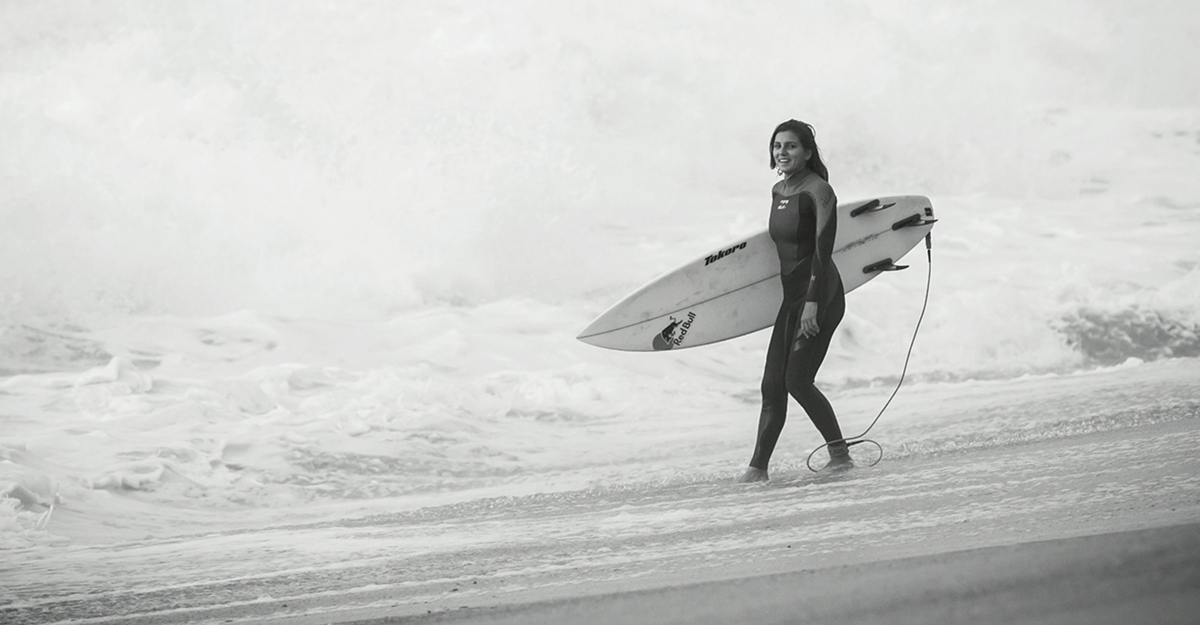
[858,440]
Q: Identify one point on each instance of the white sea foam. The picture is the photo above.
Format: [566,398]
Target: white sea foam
[279,255]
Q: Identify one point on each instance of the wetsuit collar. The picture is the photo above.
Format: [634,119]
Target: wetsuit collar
[796,180]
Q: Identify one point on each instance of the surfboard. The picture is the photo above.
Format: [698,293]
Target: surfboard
[735,289]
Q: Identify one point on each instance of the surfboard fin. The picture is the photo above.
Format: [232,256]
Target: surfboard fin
[872,206]
[912,221]
[883,265]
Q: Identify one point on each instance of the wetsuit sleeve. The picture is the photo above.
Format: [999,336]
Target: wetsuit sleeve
[825,208]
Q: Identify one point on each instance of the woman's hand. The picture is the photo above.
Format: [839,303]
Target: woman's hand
[808,320]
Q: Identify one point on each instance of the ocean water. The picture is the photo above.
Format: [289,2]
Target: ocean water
[307,260]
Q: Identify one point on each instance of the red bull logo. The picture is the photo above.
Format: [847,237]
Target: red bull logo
[672,335]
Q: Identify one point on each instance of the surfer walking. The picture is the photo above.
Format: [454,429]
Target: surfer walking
[803,223]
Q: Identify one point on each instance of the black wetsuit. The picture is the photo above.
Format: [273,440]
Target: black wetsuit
[808,275]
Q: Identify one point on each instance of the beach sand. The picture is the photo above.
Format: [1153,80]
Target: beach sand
[1145,576]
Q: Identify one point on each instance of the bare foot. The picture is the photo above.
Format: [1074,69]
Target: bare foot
[753,475]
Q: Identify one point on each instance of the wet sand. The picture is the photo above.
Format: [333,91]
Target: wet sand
[1144,576]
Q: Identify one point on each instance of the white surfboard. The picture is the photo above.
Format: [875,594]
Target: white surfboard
[735,289]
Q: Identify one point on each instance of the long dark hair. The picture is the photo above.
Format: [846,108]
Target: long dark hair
[808,139]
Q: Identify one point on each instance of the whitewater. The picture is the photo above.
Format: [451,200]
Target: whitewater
[288,289]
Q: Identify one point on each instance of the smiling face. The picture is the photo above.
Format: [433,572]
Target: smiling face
[790,155]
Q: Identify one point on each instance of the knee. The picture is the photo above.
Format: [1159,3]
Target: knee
[773,390]
[800,387]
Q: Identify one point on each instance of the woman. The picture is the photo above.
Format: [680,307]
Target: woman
[803,223]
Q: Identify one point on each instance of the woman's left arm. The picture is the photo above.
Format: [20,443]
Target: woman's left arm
[825,207]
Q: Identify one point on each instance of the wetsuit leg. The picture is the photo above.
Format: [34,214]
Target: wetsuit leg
[805,357]
[774,388]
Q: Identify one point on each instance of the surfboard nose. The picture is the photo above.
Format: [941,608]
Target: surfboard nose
[588,333]
[597,327]
[612,330]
